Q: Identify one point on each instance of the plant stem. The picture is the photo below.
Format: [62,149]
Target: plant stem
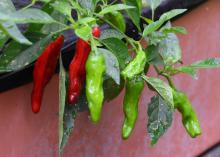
[29,5]
[152,15]
[166,76]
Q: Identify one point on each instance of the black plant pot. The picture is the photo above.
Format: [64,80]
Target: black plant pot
[23,76]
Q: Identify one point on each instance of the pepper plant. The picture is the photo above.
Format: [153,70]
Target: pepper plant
[106,60]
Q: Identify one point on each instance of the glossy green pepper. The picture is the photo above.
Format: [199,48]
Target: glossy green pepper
[95,68]
[189,118]
[133,91]
[136,66]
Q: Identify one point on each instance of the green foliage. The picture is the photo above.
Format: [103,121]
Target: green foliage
[119,49]
[116,7]
[87,4]
[163,50]
[67,113]
[63,7]
[165,17]
[154,3]
[159,118]
[117,19]
[26,16]
[112,89]
[134,13]
[111,33]
[54,27]
[15,57]
[83,32]
[169,48]
[153,56]
[29,55]
[161,88]
[62,102]
[112,65]
[192,68]
[3,39]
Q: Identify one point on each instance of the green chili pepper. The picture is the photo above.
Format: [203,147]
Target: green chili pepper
[189,118]
[95,68]
[136,66]
[133,91]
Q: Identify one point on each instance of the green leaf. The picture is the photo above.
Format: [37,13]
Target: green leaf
[181,30]
[62,101]
[68,124]
[11,51]
[162,88]
[3,39]
[165,17]
[87,4]
[117,19]
[111,89]
[171,14]
[112,65]
[31,15]
[159,118]
[111,33]
[26,16]
[152,27]
[188,70]
[154,3]
[12,30]
[63,7]
[169,48]
[54,27]
[95,2]
[145,3]
[7,5]
[135,13]
[119,49]
[116,7]
[26,57]
[84,32]
[192,68]
[13,48]
[208,63]
[155,38]
[86,20]
[70,114]
[153,57]
[33,27]
[147,20]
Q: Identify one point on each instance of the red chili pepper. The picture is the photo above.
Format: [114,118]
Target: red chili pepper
[77,72]
[44,68]
[96,32]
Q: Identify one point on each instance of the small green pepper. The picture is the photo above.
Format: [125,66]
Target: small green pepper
[136,66]
[133,91]
[189,118]
[95,68]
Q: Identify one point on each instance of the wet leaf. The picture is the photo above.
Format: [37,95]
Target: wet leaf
[159,118]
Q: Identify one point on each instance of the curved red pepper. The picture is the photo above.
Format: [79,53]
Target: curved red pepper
[77,71]
[44,68]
